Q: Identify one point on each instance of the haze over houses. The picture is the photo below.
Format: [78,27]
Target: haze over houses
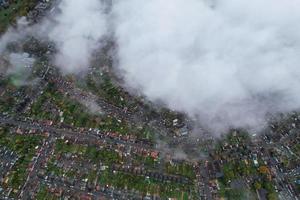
[64,136]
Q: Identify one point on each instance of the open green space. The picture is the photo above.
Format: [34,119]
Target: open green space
[101,84]
[146,185]
[147,161]
[182,169]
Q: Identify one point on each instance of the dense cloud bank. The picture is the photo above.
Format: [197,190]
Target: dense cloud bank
[77,30]
[229,63]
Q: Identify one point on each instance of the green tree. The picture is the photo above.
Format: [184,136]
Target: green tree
[272,196]
[257,185]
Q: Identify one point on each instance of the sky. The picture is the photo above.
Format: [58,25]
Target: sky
[226,63]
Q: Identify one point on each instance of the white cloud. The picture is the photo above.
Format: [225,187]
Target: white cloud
[77,31]
[229,62]
[14,34]
[76,27]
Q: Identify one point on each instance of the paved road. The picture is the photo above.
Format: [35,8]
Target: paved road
[88,136]
[42,156]
[286,192]
[203,182]
[137,117]
[107,192]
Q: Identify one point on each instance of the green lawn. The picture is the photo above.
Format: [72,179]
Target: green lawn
[144,185]
[182,169]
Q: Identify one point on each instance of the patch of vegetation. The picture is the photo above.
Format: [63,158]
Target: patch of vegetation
[146,185]
[43,193]
[183,169]
[83,154]
[15,9]
[106,89]
[52,101]
[11,95]
[147,161]
[24,146]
